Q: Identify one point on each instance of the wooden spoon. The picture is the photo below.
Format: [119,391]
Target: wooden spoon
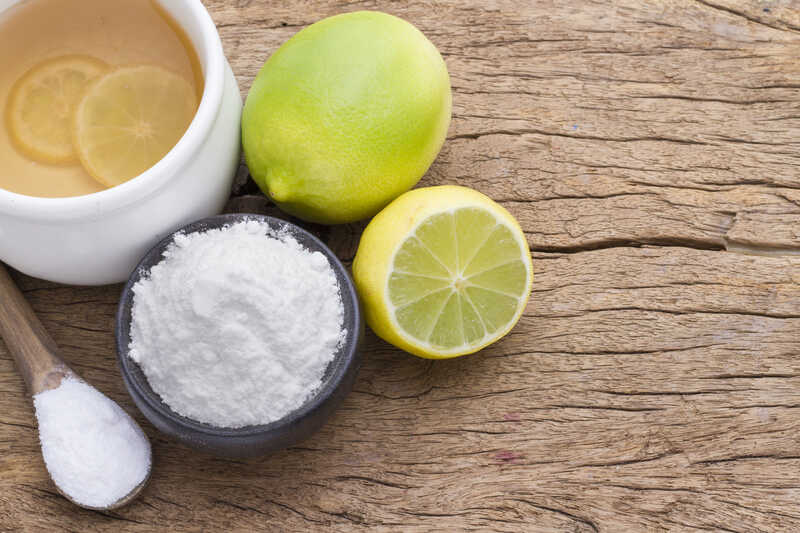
[37,357]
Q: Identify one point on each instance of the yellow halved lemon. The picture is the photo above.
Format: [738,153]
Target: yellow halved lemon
[443,271]
[41,105]
[129,119]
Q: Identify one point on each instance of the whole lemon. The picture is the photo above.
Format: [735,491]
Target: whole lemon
[345,116]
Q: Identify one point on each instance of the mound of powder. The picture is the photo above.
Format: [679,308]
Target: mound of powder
[236,326]
[95,453]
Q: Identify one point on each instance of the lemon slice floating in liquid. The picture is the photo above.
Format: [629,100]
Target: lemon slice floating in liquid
[129,119]
[41,105]
[443,271]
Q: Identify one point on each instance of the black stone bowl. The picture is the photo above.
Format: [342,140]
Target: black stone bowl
[248,441]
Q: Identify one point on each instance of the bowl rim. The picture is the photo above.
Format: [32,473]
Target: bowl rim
[343,360]
[211,55]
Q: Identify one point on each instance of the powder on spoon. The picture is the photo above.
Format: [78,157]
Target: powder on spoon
[236,326]
[95,453]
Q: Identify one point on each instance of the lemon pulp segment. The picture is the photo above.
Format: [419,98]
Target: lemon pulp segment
[459,281]
[41,105]
[129,119]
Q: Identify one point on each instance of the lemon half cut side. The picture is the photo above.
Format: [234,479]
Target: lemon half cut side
[443,271]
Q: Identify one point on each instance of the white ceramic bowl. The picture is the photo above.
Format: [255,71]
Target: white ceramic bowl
[99,238]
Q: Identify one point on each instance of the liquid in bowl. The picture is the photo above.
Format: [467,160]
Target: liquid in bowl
[38,39]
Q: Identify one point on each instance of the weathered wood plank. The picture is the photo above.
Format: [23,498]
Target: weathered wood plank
[643,386]
[647,148]
[656,122]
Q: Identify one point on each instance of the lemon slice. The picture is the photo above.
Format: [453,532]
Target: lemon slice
[129,119]
[41,104]
[443,271]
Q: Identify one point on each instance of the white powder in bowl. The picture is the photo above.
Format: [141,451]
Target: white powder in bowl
[236,326]
[95,453]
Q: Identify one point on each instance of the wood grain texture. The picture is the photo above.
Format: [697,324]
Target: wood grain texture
[649,150]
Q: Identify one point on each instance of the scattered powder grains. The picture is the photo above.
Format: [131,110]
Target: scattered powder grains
[236,326]
[95,453]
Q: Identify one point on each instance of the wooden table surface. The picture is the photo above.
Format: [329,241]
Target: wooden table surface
[650,151]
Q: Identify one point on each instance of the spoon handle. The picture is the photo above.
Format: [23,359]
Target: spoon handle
[35,353]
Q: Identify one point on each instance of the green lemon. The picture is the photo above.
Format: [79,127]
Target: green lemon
[345,116]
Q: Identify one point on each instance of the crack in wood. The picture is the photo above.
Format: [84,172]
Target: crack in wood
[571,516]
[786,26]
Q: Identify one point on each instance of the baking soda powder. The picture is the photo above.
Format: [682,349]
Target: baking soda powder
[236,326]
[95,453]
